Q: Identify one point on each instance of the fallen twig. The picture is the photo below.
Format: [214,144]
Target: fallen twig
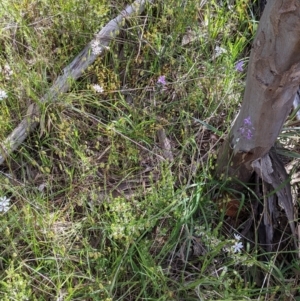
[70,73]
[165,145]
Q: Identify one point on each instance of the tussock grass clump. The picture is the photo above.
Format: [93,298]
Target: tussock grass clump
[112,198]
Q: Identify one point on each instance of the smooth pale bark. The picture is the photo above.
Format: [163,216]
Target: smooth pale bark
[272,81]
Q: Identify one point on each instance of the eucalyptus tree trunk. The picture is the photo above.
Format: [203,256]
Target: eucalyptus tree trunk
[272,81]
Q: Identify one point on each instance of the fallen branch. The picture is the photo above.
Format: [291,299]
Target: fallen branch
[70,73]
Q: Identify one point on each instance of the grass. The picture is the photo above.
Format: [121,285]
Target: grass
[97,211]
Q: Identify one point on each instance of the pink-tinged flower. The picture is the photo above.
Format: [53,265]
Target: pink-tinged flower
[247,129]
[239,66]
[162,80]
[247,121]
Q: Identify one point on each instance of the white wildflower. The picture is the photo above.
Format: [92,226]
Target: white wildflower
[237,237]
[237,247]
[218,51]
[3,94]
[4,204]
[96,47]
[98,88]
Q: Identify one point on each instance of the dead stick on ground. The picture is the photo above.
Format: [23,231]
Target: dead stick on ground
[72,72]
